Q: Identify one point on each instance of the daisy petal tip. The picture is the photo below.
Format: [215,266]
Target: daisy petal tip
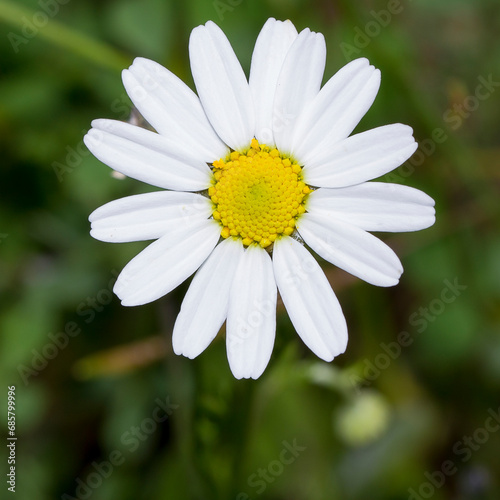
[98,126]
[319,42]
[128,75]
[430,220]
[361,61]
[259,369]
[101,123]
[95,124]
[196,33]
[178,343]
[94,215]
[403,129]
[330,352]
[272,23]
[414,144]
[93,138]
[94,234]
[139,61]
[343,346]
[181,350]
[408,152]
[130,81]
[214,30]
[183,347]
[247,374]
[130,303]
[290,26]
[326,356]
[86,138]
[135,62]
[236,371]
[376,76]
[392,281]
[130,299]
[118,287]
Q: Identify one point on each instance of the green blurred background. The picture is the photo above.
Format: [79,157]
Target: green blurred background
[105,409]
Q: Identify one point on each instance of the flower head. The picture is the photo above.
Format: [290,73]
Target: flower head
[250,171]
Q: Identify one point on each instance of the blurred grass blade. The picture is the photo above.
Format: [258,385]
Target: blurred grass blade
[121,359]
[64,37]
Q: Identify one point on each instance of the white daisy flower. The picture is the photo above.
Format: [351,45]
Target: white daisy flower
[250,171]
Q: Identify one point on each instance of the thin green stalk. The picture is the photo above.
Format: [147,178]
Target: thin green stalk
[241,433]
[32,23]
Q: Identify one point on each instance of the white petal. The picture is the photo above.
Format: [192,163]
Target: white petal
[148,216]
[309,299]
[251,320]
[375,206]
[172,108]
[336,110]
[146,156]
[166,263]
[271,48]
[350,248]
[222,85]
[298,83]
[205,305]
[361,157]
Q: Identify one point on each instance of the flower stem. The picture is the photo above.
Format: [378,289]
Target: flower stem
[241,433]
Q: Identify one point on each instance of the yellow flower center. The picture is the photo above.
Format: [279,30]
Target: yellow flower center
[257,195]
